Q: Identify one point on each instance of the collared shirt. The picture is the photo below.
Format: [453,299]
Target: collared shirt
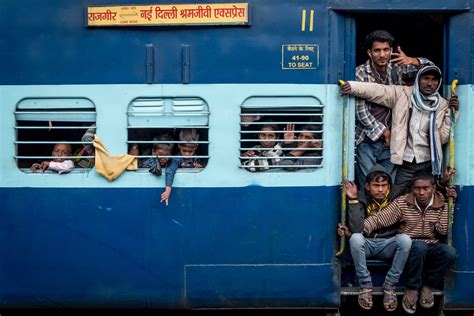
[368,124]
[429,204]
[418,142]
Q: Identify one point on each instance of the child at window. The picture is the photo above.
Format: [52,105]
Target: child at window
[188,149]
[61,165]
[267,147]
[156,164]
[307,147]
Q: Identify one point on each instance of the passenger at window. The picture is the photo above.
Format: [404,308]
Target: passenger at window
[87,150]
[421,119]
[161,150]
[306,149]
[188,149]
[373,121]
[59,164]
[268,147]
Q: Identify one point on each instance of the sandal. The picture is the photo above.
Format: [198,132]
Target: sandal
[426,297]
[365,298]
[409,301]
[390,301]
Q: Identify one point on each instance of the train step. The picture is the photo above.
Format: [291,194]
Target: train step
[352,291]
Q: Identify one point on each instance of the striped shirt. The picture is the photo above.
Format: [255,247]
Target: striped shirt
[424,226]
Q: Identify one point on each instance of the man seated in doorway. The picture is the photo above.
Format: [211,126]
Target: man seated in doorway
[423,215]
[383,243]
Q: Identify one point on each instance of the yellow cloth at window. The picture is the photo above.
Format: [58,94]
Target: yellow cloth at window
[111,167]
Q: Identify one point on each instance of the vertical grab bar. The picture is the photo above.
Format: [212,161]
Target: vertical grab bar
[345,126]
[451,165]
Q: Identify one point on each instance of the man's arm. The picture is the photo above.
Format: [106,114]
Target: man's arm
[374,92]
[384,218]
[411,65]
[170,171]
[61,167]
[441,226]
[356,209]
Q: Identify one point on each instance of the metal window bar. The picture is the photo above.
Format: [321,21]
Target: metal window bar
[280,157]
[281,114]
[260,168]
[150,113]
[166,142]
[174,156]
[52,127]
[167,127]
[50,142]
[276,132]
[283,148]
[285,122]
[285,107]
[291,141]
[51,157]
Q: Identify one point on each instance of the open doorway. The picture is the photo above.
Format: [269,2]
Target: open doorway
[418,34]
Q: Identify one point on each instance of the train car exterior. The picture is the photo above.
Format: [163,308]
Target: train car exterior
[229,238]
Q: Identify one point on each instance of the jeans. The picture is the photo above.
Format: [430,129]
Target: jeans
[405,174]
[428,263]
[369,154]
[396,247]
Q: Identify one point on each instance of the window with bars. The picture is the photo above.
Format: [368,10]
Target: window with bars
[281,133]
[43,122]
[169,128]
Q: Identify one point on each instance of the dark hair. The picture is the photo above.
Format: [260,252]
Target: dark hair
[310,128]
[377,176]
[379,36]
[163,146]
[269,125]
[423,175]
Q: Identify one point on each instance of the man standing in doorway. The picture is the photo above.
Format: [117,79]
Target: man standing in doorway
[373,125]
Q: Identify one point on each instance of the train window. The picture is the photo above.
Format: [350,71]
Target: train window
[264,123]
[43,122]
[155,123]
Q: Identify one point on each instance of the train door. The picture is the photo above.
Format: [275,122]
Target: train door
[420,32]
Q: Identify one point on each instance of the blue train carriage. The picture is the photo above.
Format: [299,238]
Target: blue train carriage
[230,237]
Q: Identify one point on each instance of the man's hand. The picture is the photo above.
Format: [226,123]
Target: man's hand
[44,165]
[448,173]
[249,153]
[289,134]
[345,88]
[386,137]
[451,192]
[454,102]
[351,189]
[400,58]
[343,230]
[165,195]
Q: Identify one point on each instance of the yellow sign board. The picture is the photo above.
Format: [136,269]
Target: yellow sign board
[172,14]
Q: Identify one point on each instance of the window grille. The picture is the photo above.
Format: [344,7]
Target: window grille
[148,118]
[264,118]
[43,122]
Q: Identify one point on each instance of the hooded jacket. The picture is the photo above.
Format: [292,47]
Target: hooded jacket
[358,211]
